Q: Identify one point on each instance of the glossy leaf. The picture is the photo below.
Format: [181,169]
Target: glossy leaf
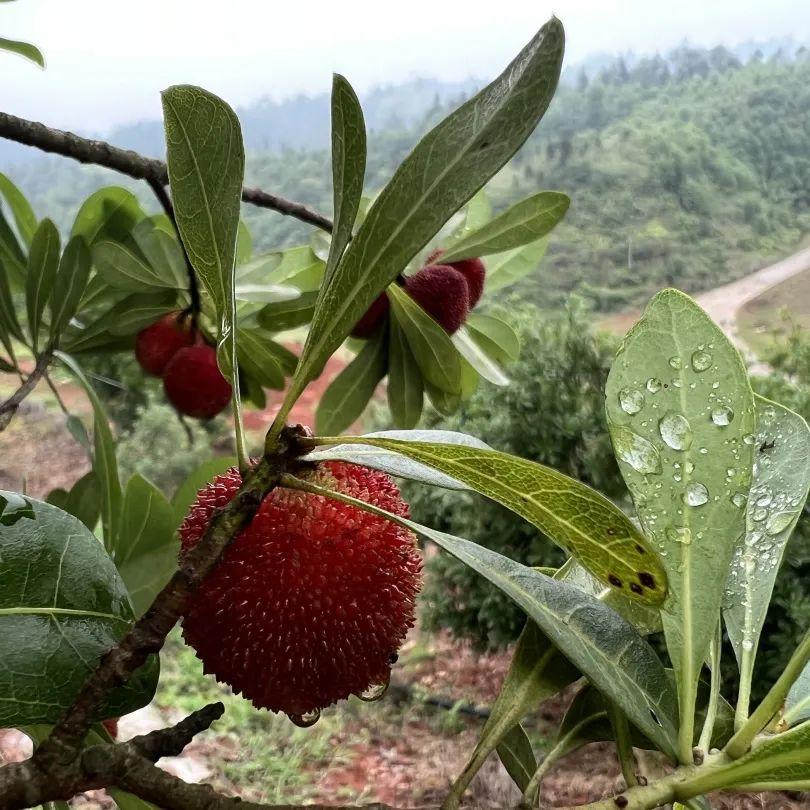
[24,49]
[505,269]
[9,325]
[43,262]
[162,252]
[83,501]
[11,254]
[261,357]
[781,478]
[146,548]
[477,213]
[346,398]
[282,315]
[196,480]
[108,214]
[105,465]
[574,516]
[69,285]
[56,625]
[121,267]
[797,704]
[523,223]
[478,358]
[445,169]
[348,166]
[516,755]
[405,386]
[265,293]
[679,408]
[24,216]
[496,337]
[434,351]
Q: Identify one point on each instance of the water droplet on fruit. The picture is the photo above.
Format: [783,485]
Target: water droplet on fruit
[701,360]
[696,494]
[722,416]
[375,691]
[676,431]
[636,451]
[631,400]
[305,720]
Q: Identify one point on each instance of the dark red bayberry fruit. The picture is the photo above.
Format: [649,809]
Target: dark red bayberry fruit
[194,384]
[442,292]
[111,726]
[158,343]
[373,317]
[310,602]
[473,270]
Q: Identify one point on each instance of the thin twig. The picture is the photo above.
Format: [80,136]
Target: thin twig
[100,153]
[9,407]
[193,286]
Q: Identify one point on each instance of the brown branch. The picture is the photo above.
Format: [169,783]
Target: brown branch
[100,153]
[9,407]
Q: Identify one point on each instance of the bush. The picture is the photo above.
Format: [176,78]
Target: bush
[552,412]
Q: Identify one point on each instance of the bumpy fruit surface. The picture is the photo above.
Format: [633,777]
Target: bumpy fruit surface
[194,384]
[442,292]
[310,603]
[473,270]
[373,317]
[157,344]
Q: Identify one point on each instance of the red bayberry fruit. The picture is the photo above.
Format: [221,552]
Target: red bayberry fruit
[310,602]
[373,317]
[442,292]
[194,384]
[111,726]
[158,343]
[473,270]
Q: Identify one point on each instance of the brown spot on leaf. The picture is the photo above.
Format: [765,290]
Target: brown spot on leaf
[646,579]
[615,581]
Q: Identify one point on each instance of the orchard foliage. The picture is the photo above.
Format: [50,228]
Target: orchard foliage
[718,476]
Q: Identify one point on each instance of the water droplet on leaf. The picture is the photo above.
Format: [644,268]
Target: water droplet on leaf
[722,416]
[654,385]
[636,451]
[631,400]
[696,494]
[701,360]
[676,431]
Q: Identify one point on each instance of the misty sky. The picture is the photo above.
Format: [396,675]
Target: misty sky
[108,60]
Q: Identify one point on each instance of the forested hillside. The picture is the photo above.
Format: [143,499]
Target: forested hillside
[688,169]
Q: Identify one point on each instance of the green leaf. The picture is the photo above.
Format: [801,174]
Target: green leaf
[196,480]
[24,215]
[445,169]
[146,548]
[573,515]
[496,337]
[108,214]
[797,704]
[24,49]
[434,351]
[478,358]
[69,285]
[505,269]
[11,254]
[9,325]
[83,501]
[258,356]
[348,166]
[479,212]
[346,398]
[55,626]
[282,315]
[779,486]
[105,465]
[43,262]
[523,223]
[121,267]
[162,252]
[679,408]
[266,293]
[516,754]
[405,387]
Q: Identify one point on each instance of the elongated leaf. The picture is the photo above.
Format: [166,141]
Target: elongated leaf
[43,262]
[146,548]
[121,267]
[56,624]
[478,358]
[405,386]
[282,315]
[24,216]
[197,479]
[11,254]
[162,252]
[594,638]
[507,268]
[346,398]
[83,501]
[573,515]
[108,214]
[797,704]
[69,285]
[525,222]
[445,169]
[9,325]
[516,754]
[24,49]
[105,465]
[348,166]
[265,293]
[496,337]
[434,351]
[260,356]
[781,478]
[681,413]
[478,213]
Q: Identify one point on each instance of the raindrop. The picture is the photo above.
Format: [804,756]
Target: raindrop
[631,400]
[738,499]
[696,494]
[749,438]
[779,522]
[748,645]
[680,534]
[675,362]
[765,499]
[636,451]
[722,416]
[375,691]
[654,385]
[307,719]
[676,431]
[701,360]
